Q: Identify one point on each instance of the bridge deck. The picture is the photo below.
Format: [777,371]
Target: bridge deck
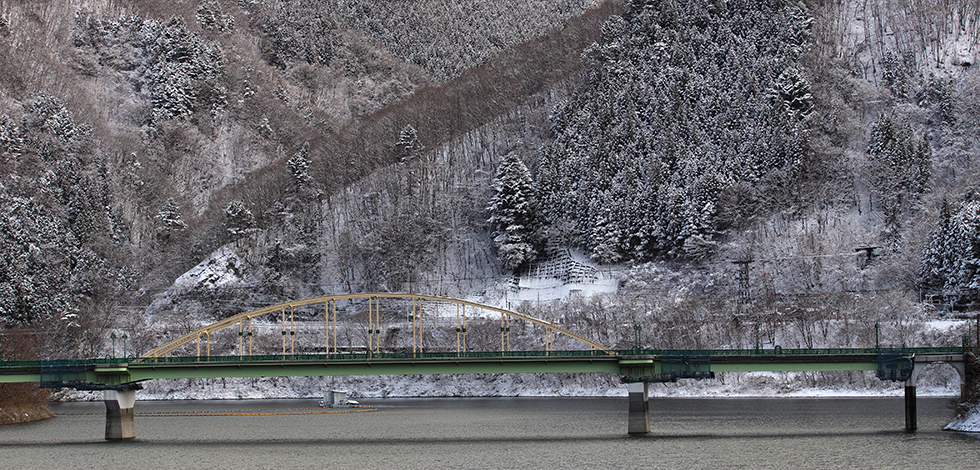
[634,363]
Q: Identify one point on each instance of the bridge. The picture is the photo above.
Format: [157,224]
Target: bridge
[376,350]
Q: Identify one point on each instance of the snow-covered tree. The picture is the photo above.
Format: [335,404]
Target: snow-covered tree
[52,115]
[951,257]
[11,141]
[793,89]
[900,72]
[408,145]
[239,220]
[968,226]
[169,219]
[40,270]
[606,237]
[299,166]
[900,169]
[210,16]
[513,213]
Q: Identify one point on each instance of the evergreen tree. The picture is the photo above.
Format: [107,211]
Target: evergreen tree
[513,214]
[210,16]
[900,168]
[968,252]
[951,258]
[239,220]
[606,237]
[11,141]
[939,257]
[794,90]
[39,272]
[170,220]
[170,67]
[299,167]
[408,145]
[292,31]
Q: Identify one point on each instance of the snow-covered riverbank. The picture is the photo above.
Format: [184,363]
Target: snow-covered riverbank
[800,385]
[527,385]
[970,422]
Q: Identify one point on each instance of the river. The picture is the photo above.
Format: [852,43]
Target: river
[518,433]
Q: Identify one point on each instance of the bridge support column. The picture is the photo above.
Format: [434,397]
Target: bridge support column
[910,414]
[119,422]
[639,407]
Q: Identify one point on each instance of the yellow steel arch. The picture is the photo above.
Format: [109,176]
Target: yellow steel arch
[164,350]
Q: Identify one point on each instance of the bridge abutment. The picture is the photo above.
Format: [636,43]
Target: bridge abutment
[639,407]
[119,423]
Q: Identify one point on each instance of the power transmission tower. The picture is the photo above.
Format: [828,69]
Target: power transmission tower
[744,286]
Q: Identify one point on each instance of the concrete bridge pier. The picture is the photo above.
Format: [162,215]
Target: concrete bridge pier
[639,407]
[119,422]
[910,414]
[920,361]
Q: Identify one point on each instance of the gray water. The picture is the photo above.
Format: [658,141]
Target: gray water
[519,433]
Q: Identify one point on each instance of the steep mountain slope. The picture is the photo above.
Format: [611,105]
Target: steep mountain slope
[168,112]
[312,155]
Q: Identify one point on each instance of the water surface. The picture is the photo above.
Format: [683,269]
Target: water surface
[521,433]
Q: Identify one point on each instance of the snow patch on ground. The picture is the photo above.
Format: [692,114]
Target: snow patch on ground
[970,422]
[546,290]
[570,273]
[221,269]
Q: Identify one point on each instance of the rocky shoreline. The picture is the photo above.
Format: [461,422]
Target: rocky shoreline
[24,414]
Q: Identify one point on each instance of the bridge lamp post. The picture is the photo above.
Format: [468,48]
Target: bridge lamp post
[124,337]
[113,338]
[637,329]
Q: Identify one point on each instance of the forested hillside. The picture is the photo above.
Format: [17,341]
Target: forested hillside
[692,121]
[771,168]
[135,134]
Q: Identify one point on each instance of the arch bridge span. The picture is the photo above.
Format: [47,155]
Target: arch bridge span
[286,311]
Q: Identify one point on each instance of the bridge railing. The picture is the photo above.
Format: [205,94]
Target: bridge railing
[796,352]
[553,354]
[365,356]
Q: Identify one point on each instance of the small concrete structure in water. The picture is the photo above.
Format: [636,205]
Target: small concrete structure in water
[337,399]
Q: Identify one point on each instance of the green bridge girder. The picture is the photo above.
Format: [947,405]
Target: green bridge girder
[630,364]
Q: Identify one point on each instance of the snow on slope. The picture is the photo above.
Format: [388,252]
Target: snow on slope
[969,422]
[565,274]
[219,270]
